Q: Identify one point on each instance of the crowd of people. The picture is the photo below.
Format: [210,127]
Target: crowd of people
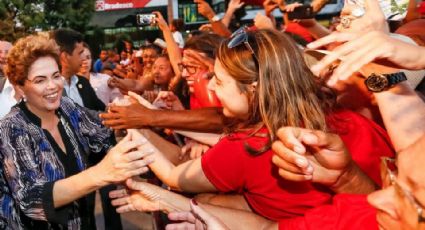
[299,126]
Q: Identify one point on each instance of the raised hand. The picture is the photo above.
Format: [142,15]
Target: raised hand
[205,9]
[235,4]
[168,100]
[269,6]
[199,60]
[160,21]
[359,50]
[133,116]
[122,161]
[263,22]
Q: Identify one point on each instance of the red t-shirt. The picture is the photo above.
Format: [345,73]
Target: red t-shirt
[347,211]
[299,30]
[230,168]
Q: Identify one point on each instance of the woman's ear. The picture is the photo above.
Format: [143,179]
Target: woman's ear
[19,91]
[253,86]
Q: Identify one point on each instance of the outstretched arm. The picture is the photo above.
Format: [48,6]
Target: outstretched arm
[188,176]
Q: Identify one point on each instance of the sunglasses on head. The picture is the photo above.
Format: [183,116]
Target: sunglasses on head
[240,36]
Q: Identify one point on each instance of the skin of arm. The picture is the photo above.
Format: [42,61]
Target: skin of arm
[147,197]
[173,49]
[354,181]
[138,116]
[119,164]
[224,200]
[232,7]
[318,5]
[83,184]
[138,86]
[218,27]
[412,12]
[187,177]
[403,113]
[170,150]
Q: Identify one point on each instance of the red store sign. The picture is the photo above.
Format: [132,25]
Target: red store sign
[107,5]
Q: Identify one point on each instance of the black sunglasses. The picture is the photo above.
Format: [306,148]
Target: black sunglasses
[240,36]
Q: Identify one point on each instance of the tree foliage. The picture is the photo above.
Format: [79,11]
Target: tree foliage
[21,17]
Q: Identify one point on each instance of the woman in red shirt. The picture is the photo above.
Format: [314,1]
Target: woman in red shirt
[263,83]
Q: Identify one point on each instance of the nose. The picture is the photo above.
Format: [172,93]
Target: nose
[51,83]
[155,70]
[185,74]
[384,200]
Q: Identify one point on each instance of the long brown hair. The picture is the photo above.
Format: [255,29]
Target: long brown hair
[287,92]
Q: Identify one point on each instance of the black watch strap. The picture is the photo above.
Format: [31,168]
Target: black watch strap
[395,78]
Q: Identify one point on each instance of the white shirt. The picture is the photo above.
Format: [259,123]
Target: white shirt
[178,37]
[7,98]
[99,82]
[72,90]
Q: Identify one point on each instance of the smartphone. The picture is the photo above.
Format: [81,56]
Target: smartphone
[145,19]
[301,12]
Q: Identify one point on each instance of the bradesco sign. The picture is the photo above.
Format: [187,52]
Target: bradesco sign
[106,5]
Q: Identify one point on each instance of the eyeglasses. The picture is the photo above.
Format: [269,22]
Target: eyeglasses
[189,69]
[239,37]
[44,81]
[389,177]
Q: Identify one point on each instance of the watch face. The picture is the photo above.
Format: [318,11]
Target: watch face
[376,83]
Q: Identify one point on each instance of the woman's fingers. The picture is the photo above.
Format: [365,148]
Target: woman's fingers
[118,193]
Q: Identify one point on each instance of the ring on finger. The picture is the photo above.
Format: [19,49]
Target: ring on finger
[345,22]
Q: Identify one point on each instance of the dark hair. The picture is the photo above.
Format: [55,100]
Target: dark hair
[178,24]
[194,33]
[205,43]
[67,39]
[153,47]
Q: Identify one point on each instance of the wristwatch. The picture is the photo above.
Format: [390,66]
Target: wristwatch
[381,82]
[216,18]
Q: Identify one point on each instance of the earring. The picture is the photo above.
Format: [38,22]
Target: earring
[24,98]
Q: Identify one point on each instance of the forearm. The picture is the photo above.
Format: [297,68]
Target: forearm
[72,188]
[221,29]
[173,50]
[224,200]
[354,181]
[232,218]
[412,13]
[227,18]
[169,150]
[204,138]
[203,120]
[187,176]
[403,113]
[142,84]
[412,56]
